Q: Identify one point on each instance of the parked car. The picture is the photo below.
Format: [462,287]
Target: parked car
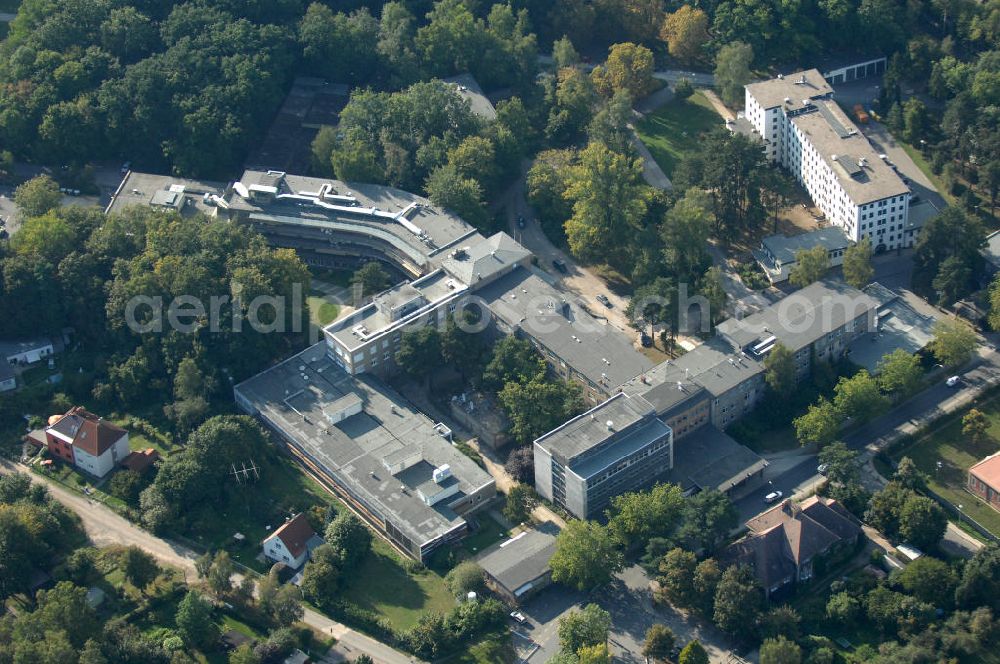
[603,299]
[560,265]
[518,617]
[822,468]
[645,340]
[953,381]
[773,497]
[521,223]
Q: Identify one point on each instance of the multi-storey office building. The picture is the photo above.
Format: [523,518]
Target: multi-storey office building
[805,132]
[615,447]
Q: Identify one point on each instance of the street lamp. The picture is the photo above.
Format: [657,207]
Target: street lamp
[938,471]
[960,513]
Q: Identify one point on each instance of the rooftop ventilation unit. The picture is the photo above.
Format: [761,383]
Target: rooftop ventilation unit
[781,76]
[802,79]
[441,473]
[788,100]
[610,425]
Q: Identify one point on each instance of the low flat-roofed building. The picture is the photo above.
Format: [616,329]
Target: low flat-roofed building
[518,568]
[336,223]
[777,253]
[615,447]
[167,192]
[710,459]
[575,344]
[28,351]
[396,467]
[904,321]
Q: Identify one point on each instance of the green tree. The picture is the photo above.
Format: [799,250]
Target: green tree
[140,568]
[780,651]
[564,53]
[244,654]
[64,605]
[930,580]
[858,397]
[900,373]
[596,654]
[586,556]
[779,371]
[464,578]
[371,277]
[547,182]
[637,516]
[464,196]
[220,574]
[844,608]
[909,475]
[858,270]
[519,504]
[194,621]
[841,463]
[954,342]
[683,88]
[980,583]
[629,67]
[922,522]
[706,581]
[686,33]
[780,621]
[739,601]
[819,425]
[419,352]
[693,653]
[539,406]
[885,507]
[583,628]
[126,485]
[707,518]
[951,234]
[347,534]
[732,71]
[321,576]
[994,295]
[917,123]
[810,266]
[513,361]
[685,231]
[37,196]
[339,46]
[285,606]
[975,426]
[608,205]
[659,642]
[676,577]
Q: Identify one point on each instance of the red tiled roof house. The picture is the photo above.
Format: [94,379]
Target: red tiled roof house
[87,441]
[984,480]
[292,542]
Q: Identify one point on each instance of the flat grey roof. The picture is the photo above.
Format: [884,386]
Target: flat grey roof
[711,459]
[773,92]
[904,321]
[599,352]
[10,347]
[714,367]
[801,318]
[784,247]
[468,88]
[430,290]
[148,189]
[521,560]
[362,208]
[992,249]
[587,444]
[295,396]
[842,146]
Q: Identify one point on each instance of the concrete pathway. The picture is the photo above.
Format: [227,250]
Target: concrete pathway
[717,104]
[651,171]
[6,17]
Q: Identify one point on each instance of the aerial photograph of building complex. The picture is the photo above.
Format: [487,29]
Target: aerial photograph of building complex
[507,332]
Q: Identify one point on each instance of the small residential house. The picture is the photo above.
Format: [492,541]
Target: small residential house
[984,480]
[786,541]
[8,378]
[27,351]
[85,440]
[291,543]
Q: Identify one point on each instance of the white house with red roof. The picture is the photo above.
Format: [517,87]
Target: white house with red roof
[291,543]
[85,440]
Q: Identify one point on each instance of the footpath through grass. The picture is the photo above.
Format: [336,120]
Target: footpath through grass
[675,129]
[957,453]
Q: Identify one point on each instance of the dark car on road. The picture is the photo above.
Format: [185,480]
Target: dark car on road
[560,265]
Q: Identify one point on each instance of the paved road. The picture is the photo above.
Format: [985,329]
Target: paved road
[674,75]
[6,17]
[909,417]
[105,528]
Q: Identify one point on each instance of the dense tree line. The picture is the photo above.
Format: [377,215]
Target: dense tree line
[115,280]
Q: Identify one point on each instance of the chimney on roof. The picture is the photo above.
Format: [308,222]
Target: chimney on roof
[610,425]
[802,79]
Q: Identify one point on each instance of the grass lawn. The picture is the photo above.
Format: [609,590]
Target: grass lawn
[493,649]
[956,453]
[925,168]
[382,585]
[321,311]
[674,130]
[77,480]
[489,533]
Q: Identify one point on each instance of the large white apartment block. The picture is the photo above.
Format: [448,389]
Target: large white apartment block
[807,133]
